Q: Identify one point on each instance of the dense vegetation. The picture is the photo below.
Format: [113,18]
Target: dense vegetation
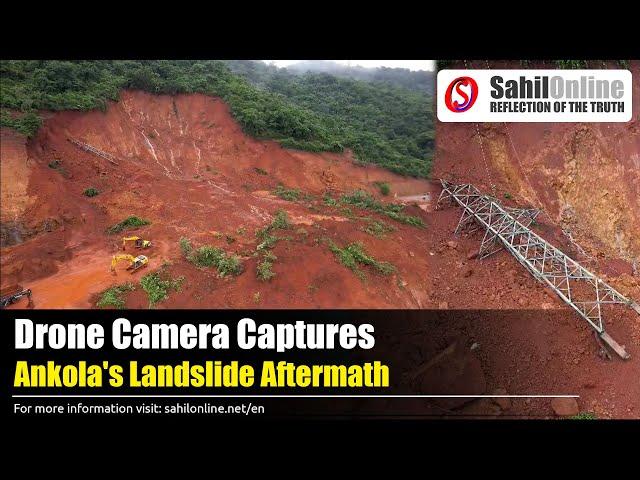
[381,123]
[259,73]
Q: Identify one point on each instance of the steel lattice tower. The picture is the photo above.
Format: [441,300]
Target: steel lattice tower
[508,228]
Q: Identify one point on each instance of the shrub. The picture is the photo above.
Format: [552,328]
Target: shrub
[263,271]
[210,256]
[364,200]
[207,256]
[57,166]
[584,416]
[378,228]
[128,223]
[329,201]
[158,288]
[290,194]
[113,297]
[267,240]
[384,188]
[354,255]
[260,171]
[90,192]
[185,246]
[229,265]
[281,220]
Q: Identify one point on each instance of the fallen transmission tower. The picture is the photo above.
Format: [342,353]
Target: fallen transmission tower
[509,228]
[88,148]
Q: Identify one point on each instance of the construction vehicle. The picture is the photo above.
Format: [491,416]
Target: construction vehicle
[135,263]
[139,242]
[14,293]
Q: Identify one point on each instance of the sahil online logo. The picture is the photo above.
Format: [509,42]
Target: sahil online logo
[461,94]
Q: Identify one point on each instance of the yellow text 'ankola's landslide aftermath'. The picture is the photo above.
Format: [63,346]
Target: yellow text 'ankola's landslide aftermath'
[210,374]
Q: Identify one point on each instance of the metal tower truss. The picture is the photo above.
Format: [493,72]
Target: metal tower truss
[88,148]
[508,228]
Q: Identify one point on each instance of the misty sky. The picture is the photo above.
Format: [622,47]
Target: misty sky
[410,64]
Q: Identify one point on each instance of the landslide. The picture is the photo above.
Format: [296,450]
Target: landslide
[184,164]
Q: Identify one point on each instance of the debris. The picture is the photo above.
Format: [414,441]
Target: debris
[452,244]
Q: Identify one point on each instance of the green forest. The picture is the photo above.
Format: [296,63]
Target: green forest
[382,123]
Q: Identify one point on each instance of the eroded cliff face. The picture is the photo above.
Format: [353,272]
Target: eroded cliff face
[183,163]
[586,177]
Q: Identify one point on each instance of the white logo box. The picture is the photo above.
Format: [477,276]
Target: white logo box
[616,84]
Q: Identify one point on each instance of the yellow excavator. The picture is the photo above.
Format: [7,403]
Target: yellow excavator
[135,263]
[138,242]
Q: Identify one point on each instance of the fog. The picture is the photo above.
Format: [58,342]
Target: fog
[413,65]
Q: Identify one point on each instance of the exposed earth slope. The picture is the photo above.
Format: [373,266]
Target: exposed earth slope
[186,166]
[586,180]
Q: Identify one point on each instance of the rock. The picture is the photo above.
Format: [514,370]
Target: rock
[472,254]
[443,305]
[546,306]
[503,403]
[565,407]
[452,244]
[522,302]
[468,272]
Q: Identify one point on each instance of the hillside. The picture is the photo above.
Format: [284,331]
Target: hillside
[395,130]
[185,166]
[258,73]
